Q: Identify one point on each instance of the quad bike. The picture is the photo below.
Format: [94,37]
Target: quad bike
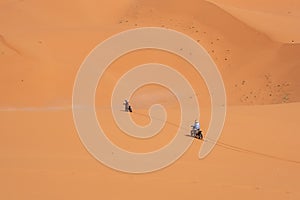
[127,106]
[129,109]
[196,133]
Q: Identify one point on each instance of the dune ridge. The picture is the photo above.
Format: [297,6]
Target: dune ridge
[224,36]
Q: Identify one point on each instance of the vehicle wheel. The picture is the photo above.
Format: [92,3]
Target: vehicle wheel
[192,134]
[200,135]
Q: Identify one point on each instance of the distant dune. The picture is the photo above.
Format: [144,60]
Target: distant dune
[244,54]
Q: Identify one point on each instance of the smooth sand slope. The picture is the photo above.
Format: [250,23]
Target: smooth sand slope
[279,21]
[42,45]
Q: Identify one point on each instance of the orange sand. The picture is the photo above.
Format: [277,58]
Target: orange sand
[256,47]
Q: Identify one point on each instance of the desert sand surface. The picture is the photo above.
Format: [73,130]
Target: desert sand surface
[255,46]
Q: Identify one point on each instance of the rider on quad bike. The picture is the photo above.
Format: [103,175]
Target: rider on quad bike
[127,106]
[196,132]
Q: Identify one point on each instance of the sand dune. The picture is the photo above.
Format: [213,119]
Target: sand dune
[42,157]
[244,55]
[255,46]
[279,21]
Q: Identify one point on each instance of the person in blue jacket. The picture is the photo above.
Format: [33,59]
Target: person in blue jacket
[197,125]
